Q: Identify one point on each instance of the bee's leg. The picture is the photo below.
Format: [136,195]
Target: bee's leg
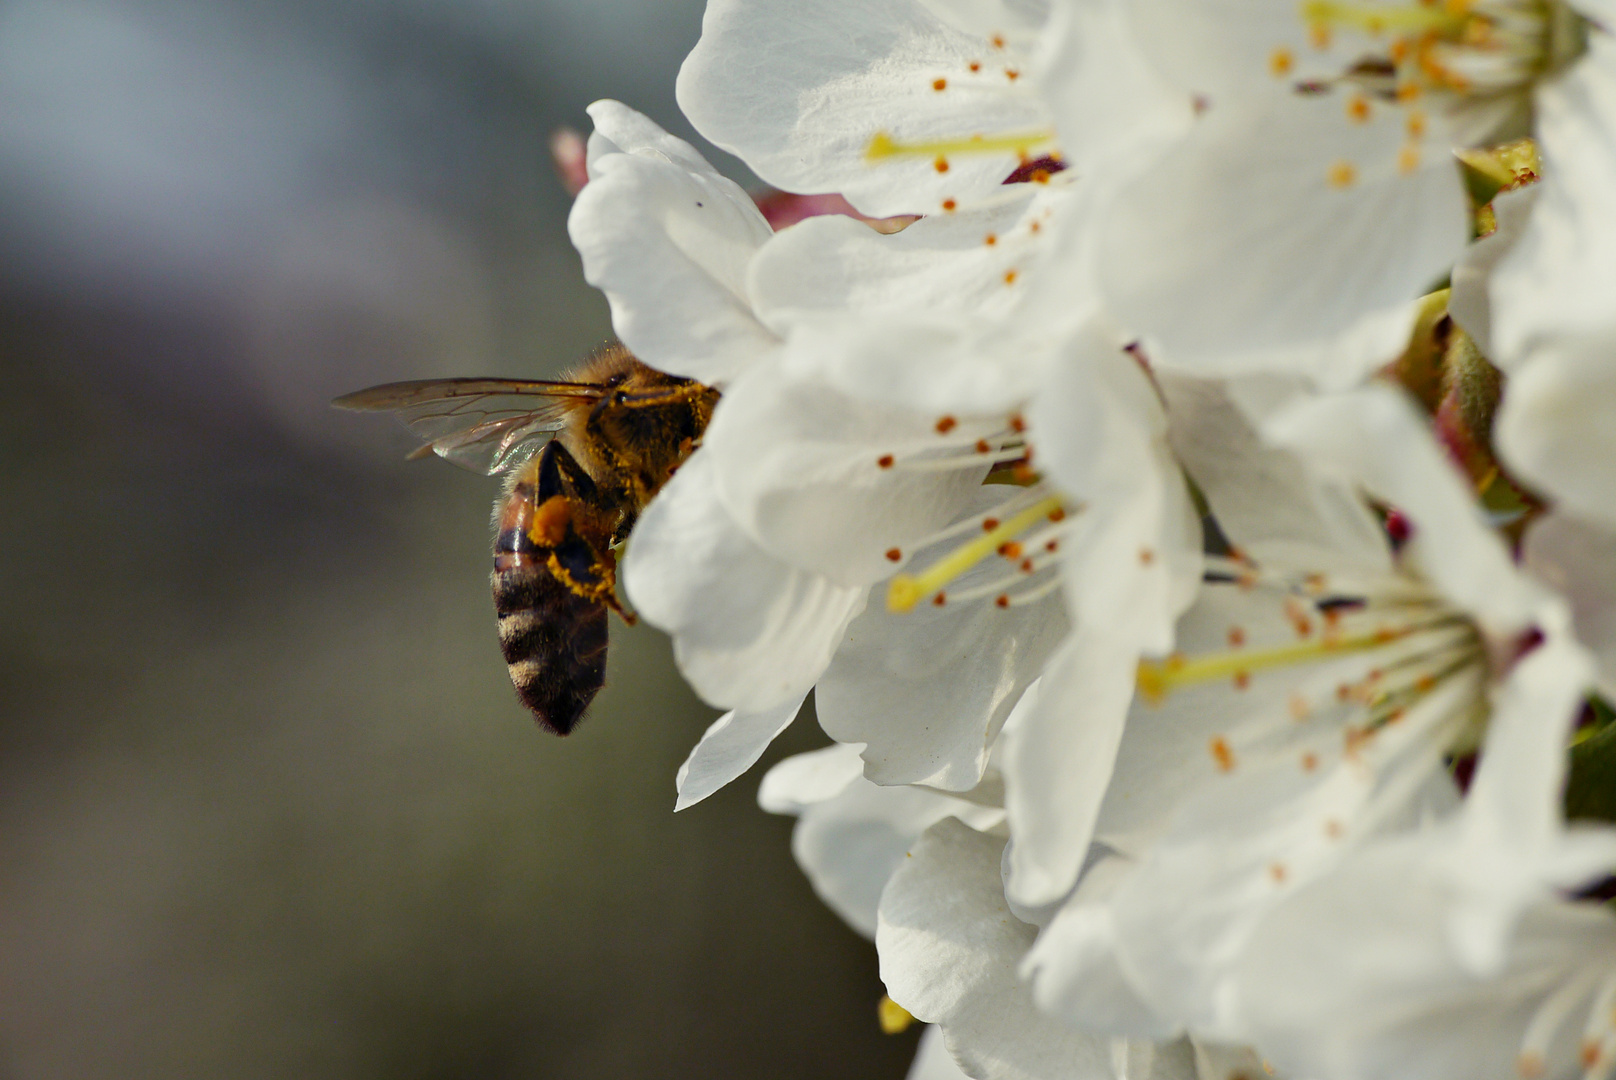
[560,474]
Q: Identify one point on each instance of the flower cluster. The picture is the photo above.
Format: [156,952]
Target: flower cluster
[1183,471]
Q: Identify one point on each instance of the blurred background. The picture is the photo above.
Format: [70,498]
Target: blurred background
[268,806]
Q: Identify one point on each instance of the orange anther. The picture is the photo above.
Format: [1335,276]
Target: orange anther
[945,424]
[939,84]
[885,461]
[1221,753]
[894,554]
[1237,637]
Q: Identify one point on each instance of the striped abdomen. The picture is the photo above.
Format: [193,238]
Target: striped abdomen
[553,638]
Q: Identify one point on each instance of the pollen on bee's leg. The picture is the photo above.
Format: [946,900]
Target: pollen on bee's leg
[550,520]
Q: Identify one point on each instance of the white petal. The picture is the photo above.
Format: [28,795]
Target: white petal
[932,1059]
[1374,436]
[1514,843]
[850,846]
[1167,756]
[1579,561]
[1268,503]
[1554,427]
[1133,558]
[798,96]
[945,264]
[1058,755]
[935,364]
[750,633]
[1109,103]
[798,465]
[1224,49]
[1351,979]
[1076,968]
[668,240]
[728,748]
[928,690]
[1287,271]
[1557,281]
[802,780]
[949,948]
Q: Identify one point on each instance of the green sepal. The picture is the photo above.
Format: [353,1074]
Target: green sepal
[1591,786]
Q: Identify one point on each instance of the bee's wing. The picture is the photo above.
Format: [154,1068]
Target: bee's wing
[485,425]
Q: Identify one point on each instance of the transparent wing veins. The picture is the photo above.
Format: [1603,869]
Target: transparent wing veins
[485,425]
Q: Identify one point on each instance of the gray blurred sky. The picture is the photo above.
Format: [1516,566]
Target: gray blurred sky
[268,807]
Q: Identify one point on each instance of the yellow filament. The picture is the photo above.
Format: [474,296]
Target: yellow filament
[884,146]
[1157,679]
[907,590]
[1377,18]
[894,1018]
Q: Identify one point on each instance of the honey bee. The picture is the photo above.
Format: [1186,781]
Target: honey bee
[620,429]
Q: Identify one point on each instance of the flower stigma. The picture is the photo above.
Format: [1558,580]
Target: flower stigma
[883,146]
[1471,48]
[1368,653]
[907,590]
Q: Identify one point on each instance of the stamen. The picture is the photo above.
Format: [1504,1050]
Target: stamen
[905,590]
[1157,680]
[1547,1022]
[882,145]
